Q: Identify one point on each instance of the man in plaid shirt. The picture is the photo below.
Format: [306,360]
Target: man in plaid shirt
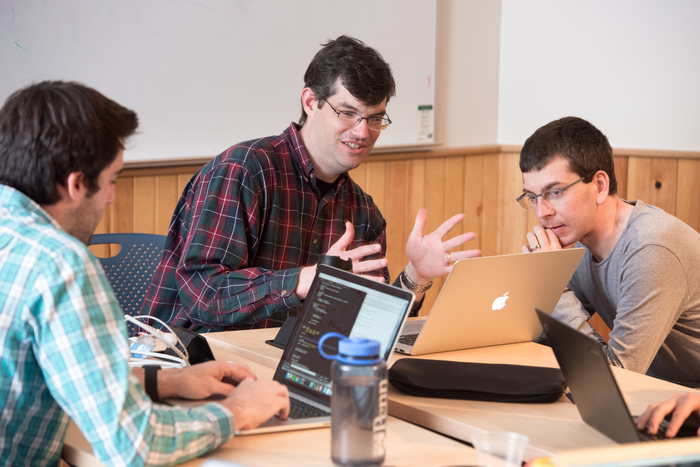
[62,334]
[250,225]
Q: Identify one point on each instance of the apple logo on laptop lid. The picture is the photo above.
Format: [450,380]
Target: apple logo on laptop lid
[500,302]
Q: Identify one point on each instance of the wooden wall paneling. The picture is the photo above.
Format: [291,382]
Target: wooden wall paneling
[417,187]
[454,195]
[473,201]
[654,181]
[359,176]
[182,180]
[103,251]
[688,193]
[512,225]
[621,176]
[167,195]
[376,184]
[435,194]
[395,215]
[490,225]
[145,215]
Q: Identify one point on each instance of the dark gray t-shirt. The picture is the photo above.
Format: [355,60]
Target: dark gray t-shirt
[648,292]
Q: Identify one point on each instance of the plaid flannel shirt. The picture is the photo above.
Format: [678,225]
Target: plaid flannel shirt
[64,354]
[245,225]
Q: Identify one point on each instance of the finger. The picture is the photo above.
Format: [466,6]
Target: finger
[644,418]
[239,372]
[374,278]
[362,251]
[660,413]
[684,407]
[419,225]
[448,225]
[457,255]
[346,239]
[284,409]
[532,243]
[525,248]
[361,267]
[457,241]
[553,240]
[542,238]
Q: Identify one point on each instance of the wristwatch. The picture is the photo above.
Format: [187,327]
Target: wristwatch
[412,286]
[151,381]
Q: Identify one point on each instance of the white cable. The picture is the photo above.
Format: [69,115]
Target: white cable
[171,340]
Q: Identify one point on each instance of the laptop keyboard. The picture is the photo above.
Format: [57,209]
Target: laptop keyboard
[299,409]
[408,339]
[660,432]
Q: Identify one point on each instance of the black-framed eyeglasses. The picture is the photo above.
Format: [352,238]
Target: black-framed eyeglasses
[529,200]
[354,119]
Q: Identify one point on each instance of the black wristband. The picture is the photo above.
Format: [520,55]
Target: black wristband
[151,380]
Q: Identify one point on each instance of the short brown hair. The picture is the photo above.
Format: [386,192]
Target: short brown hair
[51,129]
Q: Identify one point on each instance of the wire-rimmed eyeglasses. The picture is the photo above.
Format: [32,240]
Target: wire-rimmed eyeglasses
[354,119]
[529,200]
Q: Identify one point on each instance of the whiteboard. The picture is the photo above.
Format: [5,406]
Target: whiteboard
[205,74]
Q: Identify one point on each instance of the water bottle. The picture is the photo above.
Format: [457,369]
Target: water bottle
[358,401]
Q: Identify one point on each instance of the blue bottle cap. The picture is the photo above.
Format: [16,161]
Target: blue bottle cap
[358,347]
[354,351]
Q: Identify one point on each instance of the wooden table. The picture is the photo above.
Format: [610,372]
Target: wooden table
[407,444]
[552,428]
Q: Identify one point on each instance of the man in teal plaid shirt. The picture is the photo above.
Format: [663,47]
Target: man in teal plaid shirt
[62,334]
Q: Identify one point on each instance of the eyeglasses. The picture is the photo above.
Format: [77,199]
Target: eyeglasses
[354,119]
[529,201]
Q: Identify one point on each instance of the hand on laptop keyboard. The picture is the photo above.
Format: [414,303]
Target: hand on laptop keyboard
[682,412]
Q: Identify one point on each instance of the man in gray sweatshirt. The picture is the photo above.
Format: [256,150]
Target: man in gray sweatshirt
[641,270]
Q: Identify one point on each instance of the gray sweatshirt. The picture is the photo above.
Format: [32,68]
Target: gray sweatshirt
[648,292]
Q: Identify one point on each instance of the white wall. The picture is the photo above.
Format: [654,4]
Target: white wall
[466,73]
[630,67]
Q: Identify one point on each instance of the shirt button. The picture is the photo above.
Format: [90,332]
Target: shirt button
[284,292]
[315,241]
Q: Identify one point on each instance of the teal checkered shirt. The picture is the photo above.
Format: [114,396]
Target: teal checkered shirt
[64,354]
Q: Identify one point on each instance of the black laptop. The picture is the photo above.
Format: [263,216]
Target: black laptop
[592,384]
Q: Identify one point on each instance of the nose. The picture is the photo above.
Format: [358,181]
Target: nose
[112,196]
[361,130]
[543,209]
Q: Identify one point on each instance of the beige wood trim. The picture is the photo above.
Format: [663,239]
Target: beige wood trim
[379,155]
[163,166]
[656,153]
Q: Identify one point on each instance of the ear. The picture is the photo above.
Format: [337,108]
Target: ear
[75,189]
[309,101]
[601,182]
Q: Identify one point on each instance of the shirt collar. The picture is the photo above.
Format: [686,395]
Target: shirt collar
[301,156]
[19,204]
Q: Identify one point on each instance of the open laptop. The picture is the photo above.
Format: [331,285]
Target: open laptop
[592,384]
[341,302]
[489,301]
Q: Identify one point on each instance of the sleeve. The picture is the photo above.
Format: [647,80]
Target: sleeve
[82,349]
[652,290]
[653,287]
[221,229]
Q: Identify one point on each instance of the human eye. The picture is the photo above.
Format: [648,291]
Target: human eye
[553,194]
[348,115]
[531,198]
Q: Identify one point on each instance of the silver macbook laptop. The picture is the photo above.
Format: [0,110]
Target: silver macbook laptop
[489,301]
[341,302]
